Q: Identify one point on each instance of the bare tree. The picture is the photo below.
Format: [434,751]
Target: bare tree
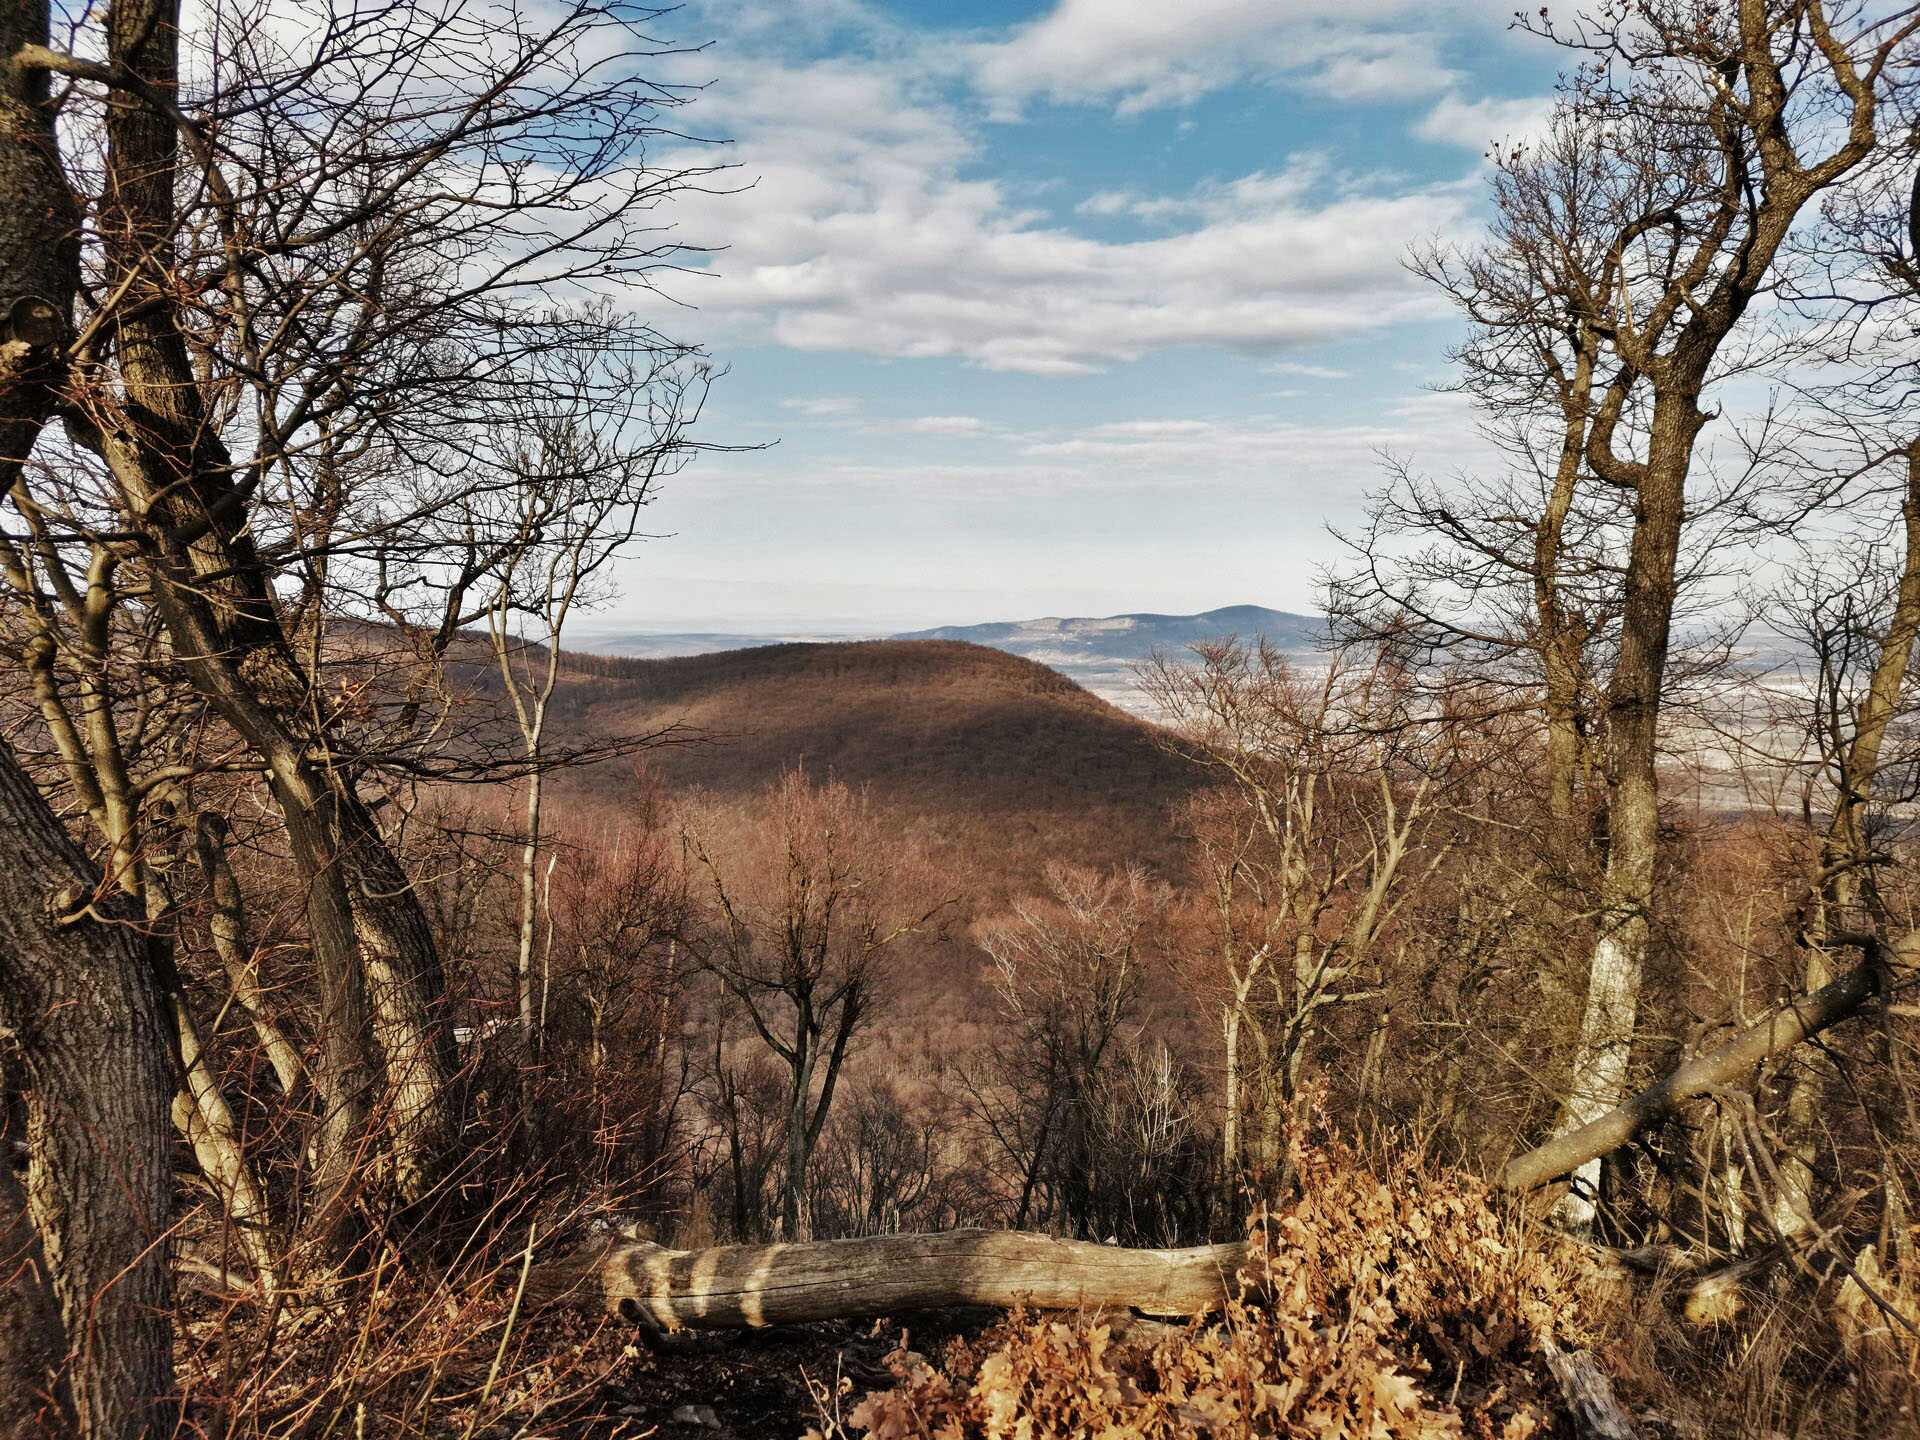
[1689,142]
[1517,576]
[1852,606]
[1070,968]
[582,477]
[802,934]
[264,409]
[1332,784]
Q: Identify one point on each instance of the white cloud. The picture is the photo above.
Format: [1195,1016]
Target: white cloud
[952,425]
[1243,459]
[1309,372]
[1146,54]
[1325,463]
[823,407]
[863,231]
[1477,124]
[866,222]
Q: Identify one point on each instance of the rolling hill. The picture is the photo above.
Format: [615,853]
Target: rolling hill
[992,762]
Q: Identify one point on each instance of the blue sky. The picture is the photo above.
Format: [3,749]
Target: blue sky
[1062,308]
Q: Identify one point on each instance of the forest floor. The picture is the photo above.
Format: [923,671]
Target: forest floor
[567,1378]
[762,1384]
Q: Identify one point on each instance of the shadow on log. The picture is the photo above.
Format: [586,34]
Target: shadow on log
[740,1286]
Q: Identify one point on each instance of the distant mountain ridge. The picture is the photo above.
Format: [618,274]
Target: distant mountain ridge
[1100,653]
[1134,636]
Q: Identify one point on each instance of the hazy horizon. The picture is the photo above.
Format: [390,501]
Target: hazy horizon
[600,625]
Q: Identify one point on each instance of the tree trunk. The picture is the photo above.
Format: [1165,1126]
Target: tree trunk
[215,595]
[1562,662]
[406,990]
[1230,1118]
[1599,1078]
[741,1286]
[1843,849]
[33,1401]
[1725,1065]
[1591,1405]
[530,1037]
[85,1006]
[204,1119]
[793,1196]
[227,925]
[39,237]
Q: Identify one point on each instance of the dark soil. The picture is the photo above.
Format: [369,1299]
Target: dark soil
[757,1382]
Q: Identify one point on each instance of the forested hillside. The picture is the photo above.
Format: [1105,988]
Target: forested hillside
[996,761]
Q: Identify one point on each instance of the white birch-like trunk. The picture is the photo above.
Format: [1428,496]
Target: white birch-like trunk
[1599,1080]
[1230,1122]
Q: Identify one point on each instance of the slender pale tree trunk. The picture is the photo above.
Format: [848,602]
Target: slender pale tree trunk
[1230,1118]
[1843,848]
[529,908]
[201,1114]
[227,925]
[531,715]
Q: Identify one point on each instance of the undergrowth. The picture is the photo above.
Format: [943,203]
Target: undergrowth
[1370,1305]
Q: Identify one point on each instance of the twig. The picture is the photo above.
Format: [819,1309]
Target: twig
[506,1333]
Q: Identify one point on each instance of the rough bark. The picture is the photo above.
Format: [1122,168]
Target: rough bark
[33,1401]
[1725,1065]
[1591,1405]
[79,992]
[745,1286]
[39,236]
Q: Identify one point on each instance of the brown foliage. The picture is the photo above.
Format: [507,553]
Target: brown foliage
[1392,1304]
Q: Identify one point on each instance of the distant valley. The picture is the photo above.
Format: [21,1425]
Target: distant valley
[1099,653]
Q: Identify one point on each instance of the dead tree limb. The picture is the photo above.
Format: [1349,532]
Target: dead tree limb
[741,1286]
[1729,1063]
[1591,1405]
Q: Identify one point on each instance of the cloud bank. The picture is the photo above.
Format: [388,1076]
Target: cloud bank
[865,224]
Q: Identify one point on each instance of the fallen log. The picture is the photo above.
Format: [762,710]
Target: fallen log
[741,1286]
[1796,1021]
